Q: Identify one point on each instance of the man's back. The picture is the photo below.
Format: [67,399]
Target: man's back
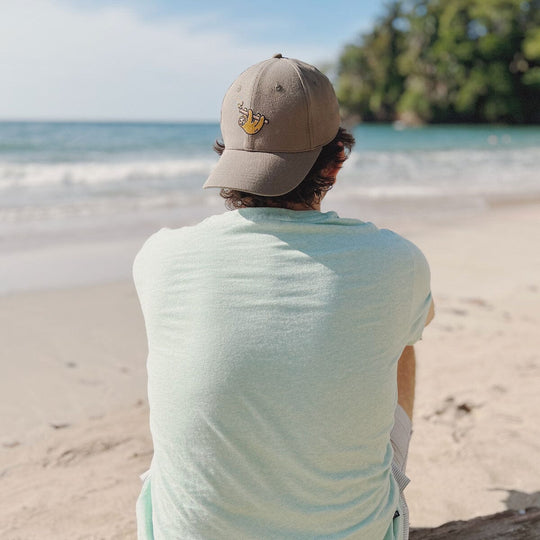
[273,340]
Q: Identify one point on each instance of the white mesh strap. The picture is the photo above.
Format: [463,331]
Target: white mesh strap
[400,437]
[402,482]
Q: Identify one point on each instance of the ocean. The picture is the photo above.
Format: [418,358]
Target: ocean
[59,175]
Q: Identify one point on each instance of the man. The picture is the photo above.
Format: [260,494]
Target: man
[274,334]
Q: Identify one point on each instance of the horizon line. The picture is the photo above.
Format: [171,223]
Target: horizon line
[105,120]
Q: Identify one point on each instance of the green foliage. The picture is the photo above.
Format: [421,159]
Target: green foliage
[446,61]
[531,44]
[532,77]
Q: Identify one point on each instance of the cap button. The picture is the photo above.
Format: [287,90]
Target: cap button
[278,55]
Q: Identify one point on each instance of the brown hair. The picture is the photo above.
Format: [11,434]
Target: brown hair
[312,187]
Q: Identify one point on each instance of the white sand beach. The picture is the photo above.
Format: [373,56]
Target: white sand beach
[74,428]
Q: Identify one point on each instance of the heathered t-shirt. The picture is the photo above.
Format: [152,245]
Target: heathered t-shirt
[273,340]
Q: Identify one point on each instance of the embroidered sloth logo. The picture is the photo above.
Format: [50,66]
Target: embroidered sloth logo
[251,123]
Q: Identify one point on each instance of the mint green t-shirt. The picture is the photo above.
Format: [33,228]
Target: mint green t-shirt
[273,340]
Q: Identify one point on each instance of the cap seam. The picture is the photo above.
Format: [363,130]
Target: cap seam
[251,141]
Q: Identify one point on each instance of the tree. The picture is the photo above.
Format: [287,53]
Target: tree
[446,61]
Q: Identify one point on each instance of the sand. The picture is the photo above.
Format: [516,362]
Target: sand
[73,422]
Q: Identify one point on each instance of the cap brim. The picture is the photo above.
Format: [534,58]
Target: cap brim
[261,173]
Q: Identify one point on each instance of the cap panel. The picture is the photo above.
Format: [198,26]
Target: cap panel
[281,97]
[238,97]
[280,105]
[250,119]
[324,117]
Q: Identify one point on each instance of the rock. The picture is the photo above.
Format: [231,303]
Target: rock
[509,525]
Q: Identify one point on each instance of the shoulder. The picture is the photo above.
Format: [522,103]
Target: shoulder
[399,242]
[405,256]
[153,241]
[165,239]
[417,265]
[146,256]
[167,234]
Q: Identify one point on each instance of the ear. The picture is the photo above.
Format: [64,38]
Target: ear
[331,172]
[333,169]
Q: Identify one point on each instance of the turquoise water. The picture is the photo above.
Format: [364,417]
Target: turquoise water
[57,142]
[48,168]
[384,138]
[84,141]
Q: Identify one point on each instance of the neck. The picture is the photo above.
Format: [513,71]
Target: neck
[304,207]
[298,207]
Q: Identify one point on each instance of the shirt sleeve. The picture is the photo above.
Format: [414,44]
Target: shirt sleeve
[421,296]
[145,262]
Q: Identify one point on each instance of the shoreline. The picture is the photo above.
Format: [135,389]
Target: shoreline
[94,251]
[75,357]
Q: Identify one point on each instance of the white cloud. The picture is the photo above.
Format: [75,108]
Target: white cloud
[58,62]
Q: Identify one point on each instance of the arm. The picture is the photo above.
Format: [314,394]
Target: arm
[406,372]
[406,379]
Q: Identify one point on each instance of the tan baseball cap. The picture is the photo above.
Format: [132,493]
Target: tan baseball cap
[275,119]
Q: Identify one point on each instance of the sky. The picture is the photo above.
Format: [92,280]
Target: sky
[165,60]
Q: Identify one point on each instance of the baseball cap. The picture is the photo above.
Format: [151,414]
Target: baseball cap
[275,119]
